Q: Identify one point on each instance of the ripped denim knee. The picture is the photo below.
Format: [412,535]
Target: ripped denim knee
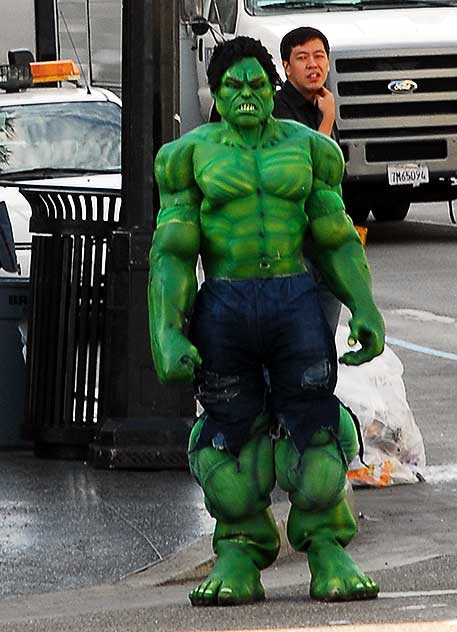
[232,408]
[317,378]
[308,403]
[212,388]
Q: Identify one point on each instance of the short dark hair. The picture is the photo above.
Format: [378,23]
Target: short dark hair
[300,36]
[228,53]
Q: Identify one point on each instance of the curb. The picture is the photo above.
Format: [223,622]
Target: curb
[196,561]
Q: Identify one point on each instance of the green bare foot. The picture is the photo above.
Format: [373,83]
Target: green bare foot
[234,580]
[335,576]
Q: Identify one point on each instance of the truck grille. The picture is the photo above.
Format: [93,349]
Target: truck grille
[409,150]
[366,105]
[391,110]
[376,63]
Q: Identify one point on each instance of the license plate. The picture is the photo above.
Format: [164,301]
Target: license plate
[407,174]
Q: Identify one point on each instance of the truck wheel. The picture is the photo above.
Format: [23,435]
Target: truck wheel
[357,213]
[394,212]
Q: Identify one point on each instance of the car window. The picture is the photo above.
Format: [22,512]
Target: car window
[71,135]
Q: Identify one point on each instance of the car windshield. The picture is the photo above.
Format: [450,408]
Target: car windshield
[276,6]
[60,136]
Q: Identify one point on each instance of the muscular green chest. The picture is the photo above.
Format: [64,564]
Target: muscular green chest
[228,173]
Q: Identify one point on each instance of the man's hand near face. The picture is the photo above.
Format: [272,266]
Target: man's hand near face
[325,101]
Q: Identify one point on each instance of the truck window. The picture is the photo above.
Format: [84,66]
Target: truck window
[257,7]
[67,135]
[227,13]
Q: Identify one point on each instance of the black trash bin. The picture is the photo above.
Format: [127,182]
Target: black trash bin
[14,294]
[83,368]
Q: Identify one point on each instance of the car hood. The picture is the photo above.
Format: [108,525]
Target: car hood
[96,181]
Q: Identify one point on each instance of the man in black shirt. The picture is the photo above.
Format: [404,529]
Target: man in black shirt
[304,97]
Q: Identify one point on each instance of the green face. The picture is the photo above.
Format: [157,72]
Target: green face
[244,97]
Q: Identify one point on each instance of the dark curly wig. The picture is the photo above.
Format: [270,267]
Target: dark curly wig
[228,53]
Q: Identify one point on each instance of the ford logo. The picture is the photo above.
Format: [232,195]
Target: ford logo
[402,85]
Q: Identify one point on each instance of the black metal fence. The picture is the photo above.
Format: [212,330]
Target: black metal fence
[70,257]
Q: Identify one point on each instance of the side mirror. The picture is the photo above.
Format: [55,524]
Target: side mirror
[199,25]
[192,14]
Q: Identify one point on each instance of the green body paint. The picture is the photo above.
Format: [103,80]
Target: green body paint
[243,194]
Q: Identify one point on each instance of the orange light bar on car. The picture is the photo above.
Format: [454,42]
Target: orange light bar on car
[48,71]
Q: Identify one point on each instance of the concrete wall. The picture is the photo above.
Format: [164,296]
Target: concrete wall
[105,37]
[17,27]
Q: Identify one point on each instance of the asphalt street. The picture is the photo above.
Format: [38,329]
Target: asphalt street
[83,549]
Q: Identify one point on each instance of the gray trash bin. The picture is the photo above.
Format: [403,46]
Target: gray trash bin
[14,296]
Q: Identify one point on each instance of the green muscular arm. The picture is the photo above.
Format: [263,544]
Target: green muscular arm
[339,253]
[172,281]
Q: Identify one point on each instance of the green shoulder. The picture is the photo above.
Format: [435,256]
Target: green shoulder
[173,165]
[328,161]
[327,157]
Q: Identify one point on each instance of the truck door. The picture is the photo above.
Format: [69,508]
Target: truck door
[222,16]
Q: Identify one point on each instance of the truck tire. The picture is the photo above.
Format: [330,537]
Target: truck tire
[357,212]
[394,212]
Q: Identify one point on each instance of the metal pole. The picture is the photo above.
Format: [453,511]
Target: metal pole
[150,94]
[141,110]
[46,30]
[146,424]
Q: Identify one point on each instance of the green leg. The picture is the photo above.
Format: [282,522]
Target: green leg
[246,539]
[323,534]
[320,521]
[243,549]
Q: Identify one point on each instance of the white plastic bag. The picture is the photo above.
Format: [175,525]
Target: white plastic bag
[375,392]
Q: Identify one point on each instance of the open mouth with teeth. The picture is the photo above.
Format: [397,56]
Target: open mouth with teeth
[246,108]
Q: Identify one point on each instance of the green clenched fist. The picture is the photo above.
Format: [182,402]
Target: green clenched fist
[178,358]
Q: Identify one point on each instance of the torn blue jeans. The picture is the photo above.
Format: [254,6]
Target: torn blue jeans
[242,327]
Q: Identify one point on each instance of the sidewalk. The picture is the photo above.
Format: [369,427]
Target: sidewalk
[75,541]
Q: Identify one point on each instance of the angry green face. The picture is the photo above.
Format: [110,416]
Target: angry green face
[244,97]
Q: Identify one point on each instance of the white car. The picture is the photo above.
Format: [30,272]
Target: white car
[63,136]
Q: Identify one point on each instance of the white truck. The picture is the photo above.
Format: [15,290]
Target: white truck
[393,71]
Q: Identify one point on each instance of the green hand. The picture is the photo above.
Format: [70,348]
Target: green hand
[178,358]
[369,331]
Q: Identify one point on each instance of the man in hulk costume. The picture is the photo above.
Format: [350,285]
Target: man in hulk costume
[243,194]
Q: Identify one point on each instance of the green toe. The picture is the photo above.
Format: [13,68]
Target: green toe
[205,594]
[336,577]
[337,589]
[235,580]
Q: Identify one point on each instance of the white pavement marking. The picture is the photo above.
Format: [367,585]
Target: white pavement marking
[396,342]
[440,473]
[414,626]
[423,606]
[417,593]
